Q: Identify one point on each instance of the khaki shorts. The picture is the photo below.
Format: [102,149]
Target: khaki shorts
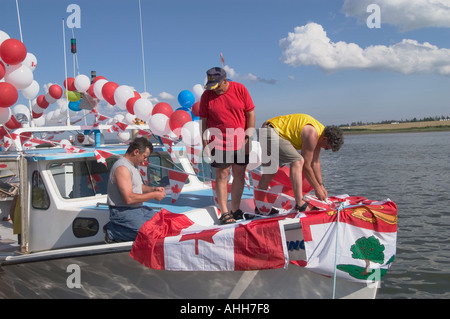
[269,140]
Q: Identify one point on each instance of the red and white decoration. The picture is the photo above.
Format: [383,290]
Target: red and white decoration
[177,181]
[175,242]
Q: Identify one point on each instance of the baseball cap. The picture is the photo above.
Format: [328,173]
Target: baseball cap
[215,76]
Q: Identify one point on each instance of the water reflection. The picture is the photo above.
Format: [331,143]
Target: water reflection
[412,170]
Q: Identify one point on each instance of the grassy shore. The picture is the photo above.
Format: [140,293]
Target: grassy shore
[431,126]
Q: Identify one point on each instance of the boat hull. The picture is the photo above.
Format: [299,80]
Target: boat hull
[115,274]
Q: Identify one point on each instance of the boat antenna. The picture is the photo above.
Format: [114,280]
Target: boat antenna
[142,46]
[65,70]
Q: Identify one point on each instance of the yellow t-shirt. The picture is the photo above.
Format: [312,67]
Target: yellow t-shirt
[290,127]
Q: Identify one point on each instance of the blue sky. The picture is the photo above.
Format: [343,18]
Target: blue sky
[294,56]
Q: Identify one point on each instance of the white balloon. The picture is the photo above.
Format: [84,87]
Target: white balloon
[159,124]
[130,119]
[36,108]
[3,36]
[5,113]
[119,117]
[98,86]
[40,121]
[50,99]
[143,108]
[82,83]
[121,95]
[30,61]
[31,91]
[190,133]
[21,109]
[124,136]
[198,91]
[19,75]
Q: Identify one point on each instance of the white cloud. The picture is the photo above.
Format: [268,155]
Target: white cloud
[407,14]
[250,77]
[166,96]
[309,45]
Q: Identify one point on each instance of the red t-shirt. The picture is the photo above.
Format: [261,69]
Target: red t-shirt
[227,111]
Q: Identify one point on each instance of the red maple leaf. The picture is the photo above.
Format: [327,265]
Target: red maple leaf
[176,189]
[205,235]
[264,209]
[286,205]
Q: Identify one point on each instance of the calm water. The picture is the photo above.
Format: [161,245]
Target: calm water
[413,170]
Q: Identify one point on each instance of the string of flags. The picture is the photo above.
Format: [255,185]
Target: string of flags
[278,197]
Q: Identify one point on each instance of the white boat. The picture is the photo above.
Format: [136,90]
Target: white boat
[61,252]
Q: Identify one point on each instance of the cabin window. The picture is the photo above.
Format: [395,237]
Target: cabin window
[85,227]
[158,176]
[78,179]
[39,195]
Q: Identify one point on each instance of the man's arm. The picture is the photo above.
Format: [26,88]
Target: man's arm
[122,177]
[311,155]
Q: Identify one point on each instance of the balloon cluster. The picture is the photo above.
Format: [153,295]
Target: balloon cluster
[181,123]
[16,74]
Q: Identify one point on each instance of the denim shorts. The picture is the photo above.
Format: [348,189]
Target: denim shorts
[125,222]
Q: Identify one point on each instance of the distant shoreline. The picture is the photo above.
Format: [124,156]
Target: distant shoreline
[409,127]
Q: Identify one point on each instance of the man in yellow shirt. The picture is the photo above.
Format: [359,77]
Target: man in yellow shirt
[281,141]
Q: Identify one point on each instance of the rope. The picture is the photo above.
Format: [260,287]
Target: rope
[341,206]
[18,18]
[142,46]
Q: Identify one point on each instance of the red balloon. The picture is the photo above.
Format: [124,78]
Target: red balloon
[131,101]
[177,120]
[196,109]
[42,102]
[36,115]
[3,132]
[91,91]
[98,78]
[163,108]
[13,123]
[70,84]
[55,91]
[8,94]
[108,90]
[13,51]
[2,70]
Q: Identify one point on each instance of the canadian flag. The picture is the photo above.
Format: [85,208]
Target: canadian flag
[264,200]
[143,171]
[168,145]
[36,141]
[194,156]
[10,140]
[177,181]
[102,156]
[175,242]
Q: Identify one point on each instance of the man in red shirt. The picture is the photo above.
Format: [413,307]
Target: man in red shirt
[227,112]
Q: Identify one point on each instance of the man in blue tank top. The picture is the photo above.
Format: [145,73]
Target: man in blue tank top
[127,192]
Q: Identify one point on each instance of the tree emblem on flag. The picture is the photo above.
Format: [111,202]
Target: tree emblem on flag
[370,250]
